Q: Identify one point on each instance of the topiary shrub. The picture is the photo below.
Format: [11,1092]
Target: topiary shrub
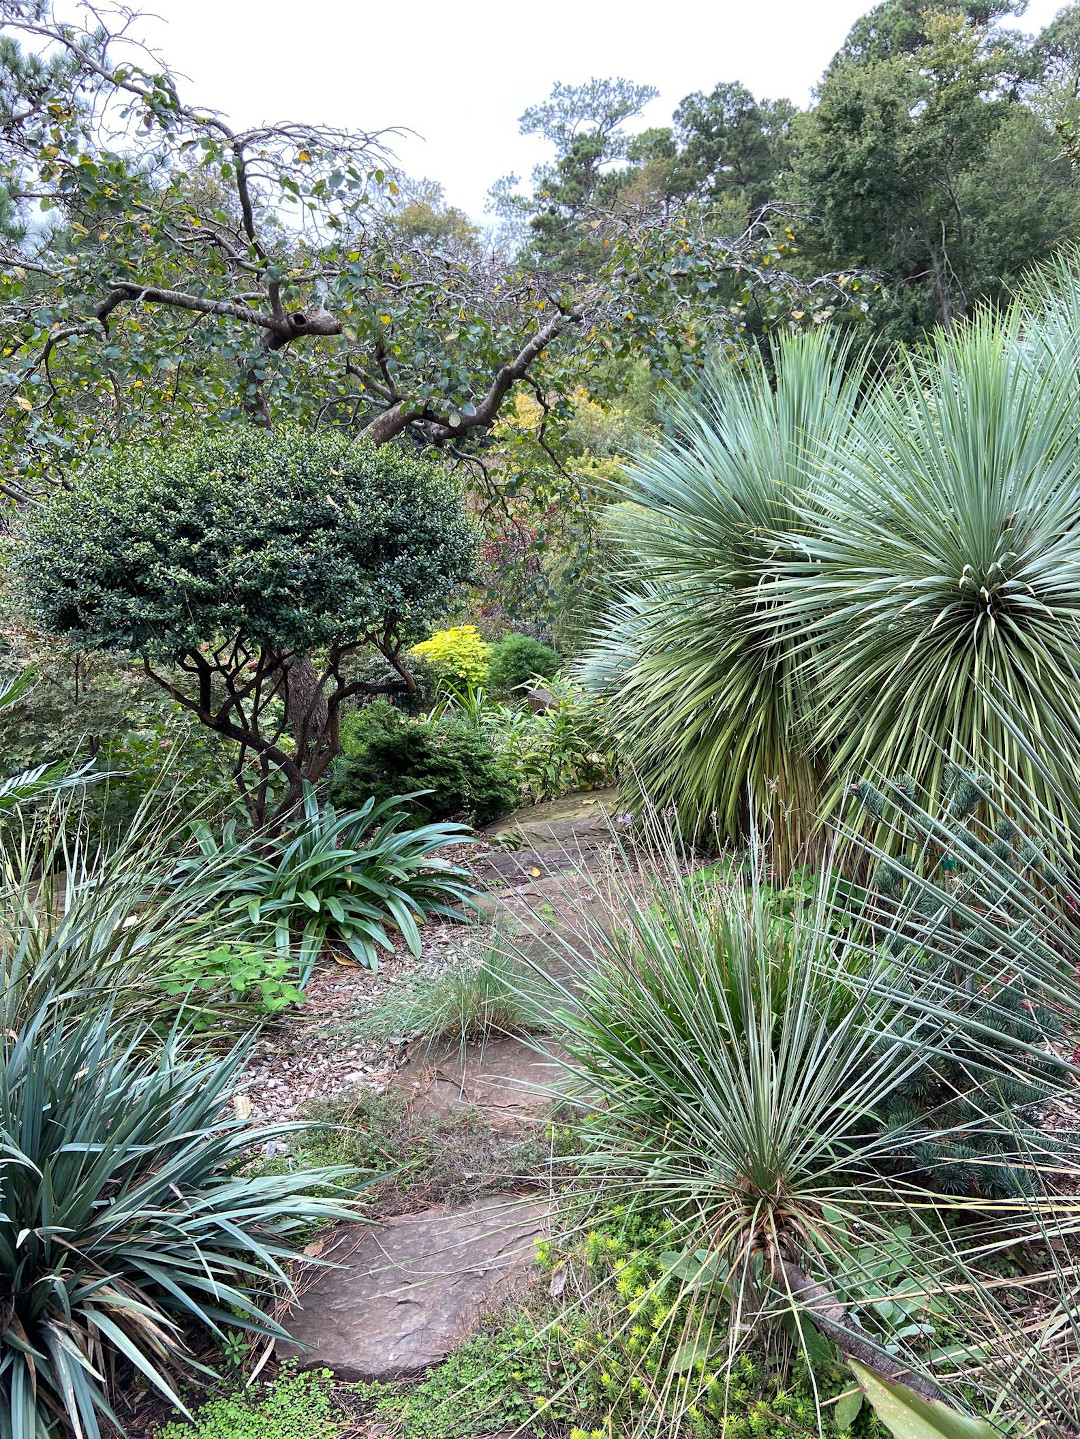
[516,659]
[245,570]
[458,655]
[388,753]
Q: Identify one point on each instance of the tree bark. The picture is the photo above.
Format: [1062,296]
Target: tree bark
[830,1317]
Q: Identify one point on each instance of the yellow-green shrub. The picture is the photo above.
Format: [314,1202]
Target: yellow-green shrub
[457,654]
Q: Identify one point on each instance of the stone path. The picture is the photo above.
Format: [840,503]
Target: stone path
[513,1082]
[407,1292]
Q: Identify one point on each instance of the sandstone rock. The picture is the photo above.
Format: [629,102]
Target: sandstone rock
[512,1081]
[408,1291]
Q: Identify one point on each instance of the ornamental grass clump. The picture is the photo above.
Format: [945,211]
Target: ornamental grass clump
[485,994]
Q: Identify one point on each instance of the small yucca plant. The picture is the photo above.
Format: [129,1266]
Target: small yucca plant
[126,1218]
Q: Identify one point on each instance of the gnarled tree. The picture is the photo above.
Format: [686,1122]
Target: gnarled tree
[215,562]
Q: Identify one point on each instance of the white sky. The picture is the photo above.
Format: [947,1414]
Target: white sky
[460,75]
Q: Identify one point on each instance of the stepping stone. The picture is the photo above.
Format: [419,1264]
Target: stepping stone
[512,1081]
[407,1292]
[571,822]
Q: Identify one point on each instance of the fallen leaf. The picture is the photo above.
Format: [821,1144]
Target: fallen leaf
[315,1248]
[534,872]
[558,1281]
[347,962]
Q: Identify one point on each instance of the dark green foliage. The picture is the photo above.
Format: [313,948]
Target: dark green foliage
[334,878]
[288,541]
[968,1115]
[387,753]
[124,1216]
[224,561]
[516,659]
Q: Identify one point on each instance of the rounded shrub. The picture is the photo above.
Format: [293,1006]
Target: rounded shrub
[515,660]
[387,753]
[458,655]
[288,541]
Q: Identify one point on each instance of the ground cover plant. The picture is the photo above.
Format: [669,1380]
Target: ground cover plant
[294,1406]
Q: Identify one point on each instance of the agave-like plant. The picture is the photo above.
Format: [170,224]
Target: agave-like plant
[735,1057]
[710,702]
[127,1219]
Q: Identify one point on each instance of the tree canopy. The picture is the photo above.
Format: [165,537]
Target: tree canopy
[218,560]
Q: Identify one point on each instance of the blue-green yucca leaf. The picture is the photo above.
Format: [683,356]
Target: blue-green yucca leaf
[835,576]
[710,703]
[947,568]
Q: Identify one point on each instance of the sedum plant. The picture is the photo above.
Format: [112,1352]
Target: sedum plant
[127,1219]
[343,879]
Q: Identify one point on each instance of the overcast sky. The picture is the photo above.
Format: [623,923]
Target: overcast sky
[460,75]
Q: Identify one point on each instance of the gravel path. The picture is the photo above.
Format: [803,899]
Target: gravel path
[303,1054]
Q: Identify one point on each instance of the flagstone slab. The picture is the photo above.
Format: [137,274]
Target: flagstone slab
[407,1292]
[510,1081]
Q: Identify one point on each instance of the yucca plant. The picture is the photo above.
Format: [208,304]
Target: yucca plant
[710,702]
[834,575]
[944,564]
[340,878]
[737,1055]
[127,1220]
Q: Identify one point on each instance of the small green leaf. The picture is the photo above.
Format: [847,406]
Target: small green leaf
[847,1409]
